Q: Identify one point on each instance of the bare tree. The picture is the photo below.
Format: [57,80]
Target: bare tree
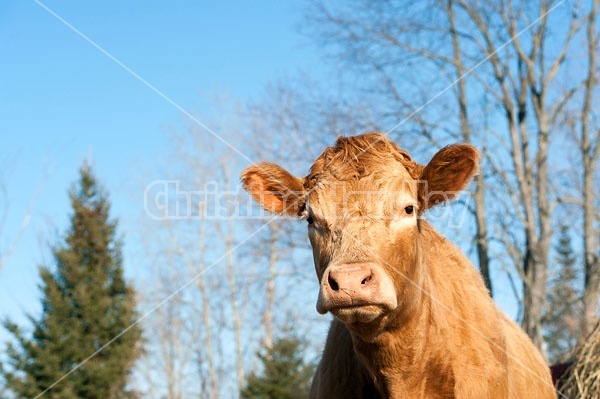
[481,235]
[227,233]
[167,360]
[528,80]
[211,166]
[205,360]
[275,132]
[204,241]
[588,140]
[501,63]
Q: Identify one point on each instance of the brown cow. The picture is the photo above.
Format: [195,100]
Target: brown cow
[413,318]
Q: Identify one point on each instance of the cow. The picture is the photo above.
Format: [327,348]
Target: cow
[412,316]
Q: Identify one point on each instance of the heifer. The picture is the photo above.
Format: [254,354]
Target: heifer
[413,318]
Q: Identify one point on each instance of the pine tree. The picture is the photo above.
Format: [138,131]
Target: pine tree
[563,307]
[285,374]
[86,302]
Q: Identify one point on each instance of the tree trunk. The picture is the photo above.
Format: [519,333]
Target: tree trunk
[537,227]
[237,319]
[268,316]
[206,319]
[481,239]
[589,149]
[534,294]
[591,288]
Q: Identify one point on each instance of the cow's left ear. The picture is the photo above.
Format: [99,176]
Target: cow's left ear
[448,173]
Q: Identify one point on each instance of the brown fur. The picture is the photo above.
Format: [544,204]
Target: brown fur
[446,338]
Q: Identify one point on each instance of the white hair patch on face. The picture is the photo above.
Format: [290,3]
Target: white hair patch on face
[406,219]
[404,215]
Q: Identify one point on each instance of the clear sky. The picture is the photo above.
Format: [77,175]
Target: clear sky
[63,100]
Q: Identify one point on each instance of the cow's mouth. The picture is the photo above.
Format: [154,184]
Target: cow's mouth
[357,313]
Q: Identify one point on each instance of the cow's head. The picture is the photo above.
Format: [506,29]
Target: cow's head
[362,200]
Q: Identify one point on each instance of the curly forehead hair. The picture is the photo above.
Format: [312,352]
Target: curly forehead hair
[354,157]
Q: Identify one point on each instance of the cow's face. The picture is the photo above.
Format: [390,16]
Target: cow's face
[361,202]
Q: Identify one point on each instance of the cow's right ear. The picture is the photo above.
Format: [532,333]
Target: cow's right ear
[274,188]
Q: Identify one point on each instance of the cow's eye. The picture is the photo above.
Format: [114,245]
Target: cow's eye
[409,209]
[310,220]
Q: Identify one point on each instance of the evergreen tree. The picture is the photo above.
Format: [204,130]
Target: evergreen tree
[285,375]
[563,307]
[85,303]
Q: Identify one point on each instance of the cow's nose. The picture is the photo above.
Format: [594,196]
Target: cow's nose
[347,287]
[349,278]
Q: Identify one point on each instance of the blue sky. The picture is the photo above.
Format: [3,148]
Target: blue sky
[62,100]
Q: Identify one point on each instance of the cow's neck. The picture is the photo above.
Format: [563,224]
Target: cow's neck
[408,351]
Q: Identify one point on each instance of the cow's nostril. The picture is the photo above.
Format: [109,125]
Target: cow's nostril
[332,283]
[366,280]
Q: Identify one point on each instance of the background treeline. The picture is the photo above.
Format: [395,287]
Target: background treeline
[518,79]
